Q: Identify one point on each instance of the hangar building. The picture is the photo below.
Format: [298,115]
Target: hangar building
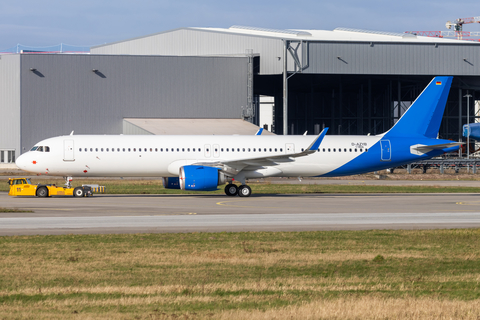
[353,81]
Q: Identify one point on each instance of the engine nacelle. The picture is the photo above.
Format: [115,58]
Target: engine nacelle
[171,183]
[201,178]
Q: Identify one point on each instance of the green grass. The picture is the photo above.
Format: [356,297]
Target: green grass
[214,273]
[116,186]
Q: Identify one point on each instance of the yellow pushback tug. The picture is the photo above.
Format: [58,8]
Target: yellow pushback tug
[24,187]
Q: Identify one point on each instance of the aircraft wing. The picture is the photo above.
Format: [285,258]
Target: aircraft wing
[235,166]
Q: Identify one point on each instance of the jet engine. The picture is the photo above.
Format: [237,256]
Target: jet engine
[171,183]
[201,178]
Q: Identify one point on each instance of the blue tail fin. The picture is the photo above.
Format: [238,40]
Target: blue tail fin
[424,116]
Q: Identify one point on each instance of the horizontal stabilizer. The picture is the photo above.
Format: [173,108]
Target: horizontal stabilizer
[422,149]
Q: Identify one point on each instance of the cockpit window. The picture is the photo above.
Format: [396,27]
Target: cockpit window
[34,148]
[40,149]
[47,149]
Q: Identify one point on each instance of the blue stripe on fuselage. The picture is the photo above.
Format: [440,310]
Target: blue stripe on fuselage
[400,155]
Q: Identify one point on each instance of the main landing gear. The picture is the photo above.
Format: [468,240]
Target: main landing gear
[242,191]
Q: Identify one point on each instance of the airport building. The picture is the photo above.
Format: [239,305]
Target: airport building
[226,81]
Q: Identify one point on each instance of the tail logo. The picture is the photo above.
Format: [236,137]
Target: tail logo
[438,83]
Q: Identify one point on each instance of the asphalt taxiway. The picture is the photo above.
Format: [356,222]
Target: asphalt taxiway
[214,213]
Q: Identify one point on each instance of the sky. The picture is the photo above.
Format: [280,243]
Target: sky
[93,22]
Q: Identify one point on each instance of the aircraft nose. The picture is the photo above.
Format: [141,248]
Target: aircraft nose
[22,162]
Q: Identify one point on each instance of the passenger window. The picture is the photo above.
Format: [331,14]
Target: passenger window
[355,150]
[146,150]
[243,149]
[178,149]
[328,149]
[361,150]
[107,149]
[339,150]
[128,149]
[193,149]
[80,149]
[366,150]
[96,149]
[281,149]
[199,149]
[275,149]
[151,149]
[208,150]
[183,149]
[265,149]
[123,150]
[238,149]
[171,149]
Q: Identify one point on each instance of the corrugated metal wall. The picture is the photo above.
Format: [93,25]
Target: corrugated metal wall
[10,102]
[64,94]
[193,42]
[394,58]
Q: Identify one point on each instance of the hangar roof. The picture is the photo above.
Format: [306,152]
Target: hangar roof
[338,34]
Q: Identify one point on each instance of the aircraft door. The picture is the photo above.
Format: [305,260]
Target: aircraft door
[386,150]
[216,151]
[208,151]
[289,148]
[68,153]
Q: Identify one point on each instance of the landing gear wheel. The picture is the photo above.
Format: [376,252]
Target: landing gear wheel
[42,192]
[231,190]
[244,191]
[78,192]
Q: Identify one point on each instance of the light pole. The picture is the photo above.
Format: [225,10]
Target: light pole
[468,123]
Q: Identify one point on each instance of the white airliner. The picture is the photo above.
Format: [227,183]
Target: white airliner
[205,162]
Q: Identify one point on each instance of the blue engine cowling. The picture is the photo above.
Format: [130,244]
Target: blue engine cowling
[200,178]
[171,183]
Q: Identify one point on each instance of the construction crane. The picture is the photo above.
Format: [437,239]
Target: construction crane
[456,25]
